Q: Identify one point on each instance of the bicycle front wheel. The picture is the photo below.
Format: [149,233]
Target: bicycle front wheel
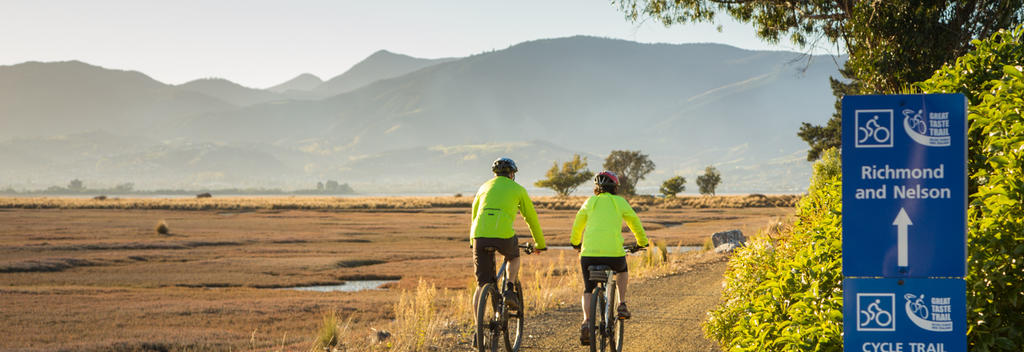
[488,329]
[513,327]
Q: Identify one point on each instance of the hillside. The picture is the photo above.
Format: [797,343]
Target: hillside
[440,124]
[382,64]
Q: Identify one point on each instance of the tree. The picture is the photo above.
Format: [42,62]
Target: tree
[76,185]
[320,186]
[890,43]
[671,187]
[566,180]
[126,187]
[332,185]
[631,166]
[709,180]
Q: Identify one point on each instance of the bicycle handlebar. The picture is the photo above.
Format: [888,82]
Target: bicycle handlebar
[527,247]
[633,248]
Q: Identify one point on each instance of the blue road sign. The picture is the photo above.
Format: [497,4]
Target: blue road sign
[919,315]
[905,185]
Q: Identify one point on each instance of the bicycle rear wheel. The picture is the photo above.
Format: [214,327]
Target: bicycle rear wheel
[614,324]
[513,327]
[595,311]
[488,331]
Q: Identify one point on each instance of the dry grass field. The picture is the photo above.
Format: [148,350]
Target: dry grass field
[84,274]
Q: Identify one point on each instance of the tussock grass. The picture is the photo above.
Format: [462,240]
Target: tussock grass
[330,332]
[161,228]
[377,203]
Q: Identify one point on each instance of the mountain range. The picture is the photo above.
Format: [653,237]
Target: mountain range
[395,123]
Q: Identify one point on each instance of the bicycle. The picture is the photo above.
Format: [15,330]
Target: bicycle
[917,306]
[872,129]
[874,313]
[494,313]
[604,321]
[916,122]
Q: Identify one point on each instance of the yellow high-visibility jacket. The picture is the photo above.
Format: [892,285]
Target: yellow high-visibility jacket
[495,207]
[601,216]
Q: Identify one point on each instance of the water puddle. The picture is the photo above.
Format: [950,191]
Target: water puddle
[348,286]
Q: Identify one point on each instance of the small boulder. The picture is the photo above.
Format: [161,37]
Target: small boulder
[380,336]
[726,248]
[735,237]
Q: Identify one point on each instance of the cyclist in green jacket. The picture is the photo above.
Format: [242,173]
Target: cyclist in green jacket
[597,234]
[494,210]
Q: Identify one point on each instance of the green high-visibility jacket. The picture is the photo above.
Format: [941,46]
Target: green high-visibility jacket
[495,207]
[601,216]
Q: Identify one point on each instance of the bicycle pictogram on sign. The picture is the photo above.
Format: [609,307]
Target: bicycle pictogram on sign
[874,128]
[876,312]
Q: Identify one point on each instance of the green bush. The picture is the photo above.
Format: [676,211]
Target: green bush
[787,296]
[991,79]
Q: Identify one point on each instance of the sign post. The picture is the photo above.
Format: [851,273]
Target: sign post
[904,222]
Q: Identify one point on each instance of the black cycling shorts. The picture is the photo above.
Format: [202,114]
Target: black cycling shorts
[483,256]
[618,264]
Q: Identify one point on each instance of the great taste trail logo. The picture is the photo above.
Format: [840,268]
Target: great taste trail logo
[935,319]
[932,131]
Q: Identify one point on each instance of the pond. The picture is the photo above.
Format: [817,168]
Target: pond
[347,286]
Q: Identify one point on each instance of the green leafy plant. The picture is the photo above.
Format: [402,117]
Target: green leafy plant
[787,295]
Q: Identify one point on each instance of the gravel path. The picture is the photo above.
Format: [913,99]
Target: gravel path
[667,314]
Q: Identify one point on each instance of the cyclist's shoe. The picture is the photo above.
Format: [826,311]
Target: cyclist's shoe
[512,303]
[584,335]
[623,312]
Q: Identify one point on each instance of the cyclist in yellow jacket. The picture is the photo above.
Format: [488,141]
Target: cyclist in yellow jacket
[494,210]
[597,234]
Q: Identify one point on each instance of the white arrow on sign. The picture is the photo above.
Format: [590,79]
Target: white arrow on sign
[901,223]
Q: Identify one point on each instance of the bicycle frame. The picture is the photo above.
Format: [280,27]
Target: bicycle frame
[490,327]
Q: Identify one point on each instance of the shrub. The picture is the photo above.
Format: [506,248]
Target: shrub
[991,79]
[328,335]
[161,228]
[787,295]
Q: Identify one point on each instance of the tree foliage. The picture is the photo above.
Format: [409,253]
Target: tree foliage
[671,187]
[631,166]
[890,43]
[707,182]
[564,181]
[76,185]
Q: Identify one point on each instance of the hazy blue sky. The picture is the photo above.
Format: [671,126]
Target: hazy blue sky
[261,43]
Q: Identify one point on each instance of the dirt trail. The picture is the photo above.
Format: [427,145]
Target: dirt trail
[667,314]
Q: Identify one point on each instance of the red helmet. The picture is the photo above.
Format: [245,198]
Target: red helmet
[606,178]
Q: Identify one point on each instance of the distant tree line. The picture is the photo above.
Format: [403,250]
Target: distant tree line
[77,186]
[631,166]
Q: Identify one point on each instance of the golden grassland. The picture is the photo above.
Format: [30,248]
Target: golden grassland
[353,203]
[82,278]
